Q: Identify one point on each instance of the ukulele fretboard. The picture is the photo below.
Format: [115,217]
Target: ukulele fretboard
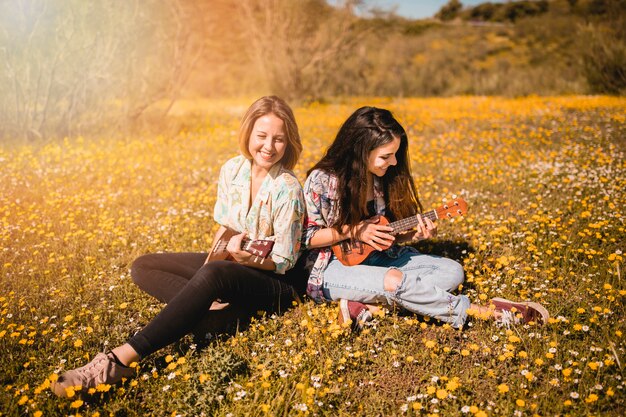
[411,222]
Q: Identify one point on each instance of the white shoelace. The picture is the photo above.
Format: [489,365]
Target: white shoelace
[507,318]
[87,372]
[364,316]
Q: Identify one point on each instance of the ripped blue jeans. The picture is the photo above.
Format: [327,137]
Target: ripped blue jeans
[425,287]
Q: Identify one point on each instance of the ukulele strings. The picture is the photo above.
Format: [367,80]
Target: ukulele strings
[222,245]
[412,221]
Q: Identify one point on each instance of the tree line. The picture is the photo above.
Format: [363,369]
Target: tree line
[75,68]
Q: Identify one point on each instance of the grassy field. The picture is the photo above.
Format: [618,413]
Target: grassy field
[545,179]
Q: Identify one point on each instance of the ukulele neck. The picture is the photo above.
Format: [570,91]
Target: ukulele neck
[410,222]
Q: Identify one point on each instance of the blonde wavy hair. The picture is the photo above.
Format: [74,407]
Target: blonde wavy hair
[279,108]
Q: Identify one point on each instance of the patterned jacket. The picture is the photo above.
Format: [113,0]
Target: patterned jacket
[320,195]
[276,213]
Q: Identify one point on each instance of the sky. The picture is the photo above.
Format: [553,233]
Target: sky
[419,9]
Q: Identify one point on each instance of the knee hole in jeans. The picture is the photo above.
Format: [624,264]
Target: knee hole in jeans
[392,280]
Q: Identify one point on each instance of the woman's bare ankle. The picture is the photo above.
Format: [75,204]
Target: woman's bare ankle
[373,308]
[126,354]
[484,312]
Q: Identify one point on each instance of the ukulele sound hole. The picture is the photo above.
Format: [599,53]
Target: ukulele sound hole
[349,246]
[346,247]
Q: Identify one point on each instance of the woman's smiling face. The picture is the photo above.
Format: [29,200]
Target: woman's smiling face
[267,142]
[383,157]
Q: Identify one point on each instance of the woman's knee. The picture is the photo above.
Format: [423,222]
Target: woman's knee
[456,274]
[140,268]
[392,280]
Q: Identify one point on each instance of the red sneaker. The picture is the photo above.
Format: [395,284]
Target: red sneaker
[514,312]
[355,312]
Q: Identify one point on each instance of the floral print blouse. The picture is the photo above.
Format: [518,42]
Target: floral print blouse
[277,212]
[320,195]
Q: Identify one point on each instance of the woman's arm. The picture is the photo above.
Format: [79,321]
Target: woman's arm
[328,236]
[287,222]
[367,231]
[320,205]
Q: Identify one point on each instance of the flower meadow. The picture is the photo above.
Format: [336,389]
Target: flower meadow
[545,180]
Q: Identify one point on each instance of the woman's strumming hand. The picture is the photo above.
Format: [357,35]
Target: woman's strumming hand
[234,248]
[374,234]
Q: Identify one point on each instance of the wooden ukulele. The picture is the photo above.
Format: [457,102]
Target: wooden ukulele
[352,252]
[259,248]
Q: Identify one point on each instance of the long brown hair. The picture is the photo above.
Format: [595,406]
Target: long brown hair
[365,130]
[278,107]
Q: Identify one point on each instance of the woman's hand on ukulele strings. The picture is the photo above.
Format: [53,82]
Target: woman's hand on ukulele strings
[374,234]
[425,229]
[234,248]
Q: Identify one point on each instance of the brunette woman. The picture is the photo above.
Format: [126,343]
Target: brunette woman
[366,173]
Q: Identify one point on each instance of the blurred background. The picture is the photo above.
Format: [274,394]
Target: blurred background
[71,67]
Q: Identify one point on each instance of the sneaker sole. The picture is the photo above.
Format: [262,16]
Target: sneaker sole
[344,312]
[545,315]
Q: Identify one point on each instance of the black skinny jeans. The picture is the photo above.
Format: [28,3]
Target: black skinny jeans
[189,288]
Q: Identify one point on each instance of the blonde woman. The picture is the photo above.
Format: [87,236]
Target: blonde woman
[258,200]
